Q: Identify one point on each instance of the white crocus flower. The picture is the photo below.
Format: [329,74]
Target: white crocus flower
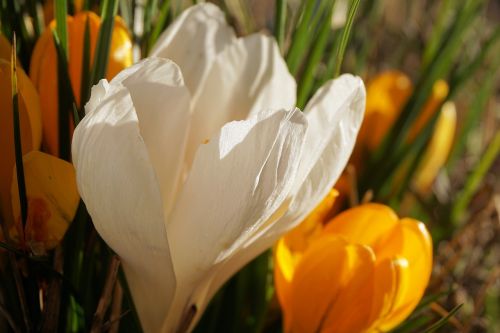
[193,166]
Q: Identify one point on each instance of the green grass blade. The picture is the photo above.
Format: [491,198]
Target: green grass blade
[438,30]
[475,179]
[461,76]
[307,78]
[66,99]
[280,22]
[161,22]
[126,13]
[301,37]
[443,321]
[476,109]
[85,75]
[353,8]
[101,57]
[149,13]
[21,184]
[387,157]
[60,10]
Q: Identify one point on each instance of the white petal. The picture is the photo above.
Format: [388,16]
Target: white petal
[238,180]
[97,94]
[248,77]
[118,185]
[334,116]
[162,104]
[193,40]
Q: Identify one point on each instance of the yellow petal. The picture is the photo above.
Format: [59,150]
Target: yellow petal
[284,268]
[414,274]
[30,126]
[439,147]
[329,282]
[52,200]
[385,97]
[365,224]
[440,90]
[299,238]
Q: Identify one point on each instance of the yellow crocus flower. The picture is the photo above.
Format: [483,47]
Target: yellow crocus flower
[43,67]
[365,273]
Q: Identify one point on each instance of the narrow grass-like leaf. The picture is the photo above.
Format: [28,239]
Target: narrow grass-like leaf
[149,13]
[475,179]
[392,150]
[280,22]
[66,99]
[443,321]
[101,56]
[307,78]
[21,185]
[446,9]
[353,8]
[85,75]
[60,11]
[301,38]
[160,23]
[467,71]
[476,109]
[126,13]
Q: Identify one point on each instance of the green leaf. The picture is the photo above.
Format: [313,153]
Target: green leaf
[66,99]
[475,179]
[353,8]
[85,75]
[280,22]
[445,14]
[160,23]
[301,38]
[101,56]
[60,10]
[394,148]
[21,185]
[443,321]
[149,13]
[307,78]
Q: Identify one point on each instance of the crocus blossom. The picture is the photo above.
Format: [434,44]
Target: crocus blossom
[193,166]
[365,273]
[43,66]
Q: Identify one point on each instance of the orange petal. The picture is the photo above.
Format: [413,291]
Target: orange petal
[284,268]
[385,96]
[439,147]
[413,277]
[52,200]
[327,286]
[299,238]
[365,224]
[5,48]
